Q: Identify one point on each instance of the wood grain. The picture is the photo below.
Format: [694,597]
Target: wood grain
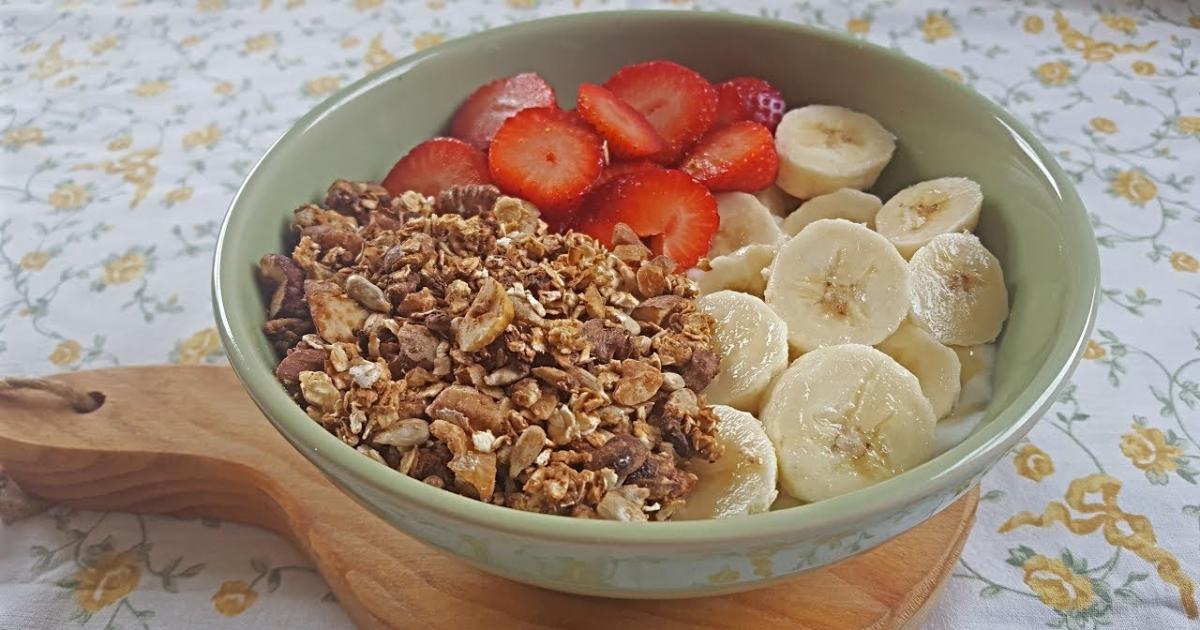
[188,441]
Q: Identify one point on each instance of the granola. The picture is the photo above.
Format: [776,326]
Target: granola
[461,343]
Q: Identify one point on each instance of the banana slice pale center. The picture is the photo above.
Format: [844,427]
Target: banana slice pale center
[836,137]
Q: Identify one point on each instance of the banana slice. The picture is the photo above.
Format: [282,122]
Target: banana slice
[844,417]
[844,203]
[975,378]
[922,211]
[743,221]
[823,148]
[742,481]
[838,282]
[740,270]
[957,290]
[752,342]
[936,367]
[778,202]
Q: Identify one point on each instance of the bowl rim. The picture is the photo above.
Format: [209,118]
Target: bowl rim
[989,442]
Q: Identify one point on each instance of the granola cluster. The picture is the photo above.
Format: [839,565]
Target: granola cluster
[460,343]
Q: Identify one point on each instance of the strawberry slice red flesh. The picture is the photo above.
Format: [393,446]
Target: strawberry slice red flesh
[740,156]
[749,98]
[544,156]
[628,133]
[617,168]
[437,164]
[672,213]
[478,118]
[679,103]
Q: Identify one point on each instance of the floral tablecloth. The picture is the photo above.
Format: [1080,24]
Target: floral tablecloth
[125,126]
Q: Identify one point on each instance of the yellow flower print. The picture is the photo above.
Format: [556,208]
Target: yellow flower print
[35,260]
[125,268]
[259,43]
[22,136]
[1120,23]
[1144,68]
[65,353]
[1134,187]
[1107,516]
[224,88]
[111,577]
[52,62]
[937,27]
[953,74]
[521,4]
[68,196]
[1033,463]
[726,575]
[1094,351]
[1148,450]
[1053,73]
[234,597]
[1033,24]
[120,143]
[377,56]
[858,26]
[436,5]
[199,346]
[66,81]
[292,4]
[205,137]
[349,41]
[148,89]
[177,195]
[210,5]
[190,40]
[1188,124]
[1090,48]
[1100,52]
[135,168]
[322,85]
[1058,586]
[1185,262]
[366,5]
[428,40]
[103,44]
[31,47]
[1103,125]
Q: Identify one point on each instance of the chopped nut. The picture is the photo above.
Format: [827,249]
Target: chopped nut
[607,343]
[477,470]
[480,409]
[366,293]
[639,382]
[672,382]
[317,388]
[297,361]
[620,505]
[526,449]
[622,453]
[336,317]
[488,316]
[654,310]
[286,282]
[404,434]
[701,369]
[467,201]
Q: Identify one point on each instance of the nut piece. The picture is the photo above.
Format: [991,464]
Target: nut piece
[607,343]
[623,504]
[654,310]
[318,390]
[468,200]
[525,450]
[639,382]
[366,293]
[404,434]
[480,409]
[336,317]
[286,281]
[623,453]
[477,470]
[489,314]
[297,361]
[701,369]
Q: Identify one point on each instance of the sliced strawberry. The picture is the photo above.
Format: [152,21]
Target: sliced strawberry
[740,156]
[679,103]
[628,132]
[478,118]
[749,98]
[436,164]
[616,169]
[672,213]
[544,156]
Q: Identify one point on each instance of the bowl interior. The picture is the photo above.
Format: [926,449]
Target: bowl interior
[1032,219]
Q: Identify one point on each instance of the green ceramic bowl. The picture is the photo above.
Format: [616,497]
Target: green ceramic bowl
[1032,219]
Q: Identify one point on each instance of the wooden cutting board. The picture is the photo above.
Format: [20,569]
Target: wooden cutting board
[188,441]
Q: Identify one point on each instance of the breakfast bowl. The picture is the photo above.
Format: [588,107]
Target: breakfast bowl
[1032,220]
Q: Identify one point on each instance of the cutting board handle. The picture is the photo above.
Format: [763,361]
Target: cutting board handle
[187,440]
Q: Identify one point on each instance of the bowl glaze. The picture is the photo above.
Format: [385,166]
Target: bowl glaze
[1032,220]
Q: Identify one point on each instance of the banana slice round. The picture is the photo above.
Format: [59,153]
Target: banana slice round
[824,147]
[740,270]
[975,378]
[922,211]
[844,203]
[778,202]
[752,342]
[744,221]
[838,282]
[742,481]
[957,290]
[936,367]
[845,417]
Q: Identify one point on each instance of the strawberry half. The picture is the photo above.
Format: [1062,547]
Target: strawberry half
[616,169]
[679,103]
[544,156]
[749,98]
[740,156]
[478,118]
[437,164]
[629,134]
[672,213]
